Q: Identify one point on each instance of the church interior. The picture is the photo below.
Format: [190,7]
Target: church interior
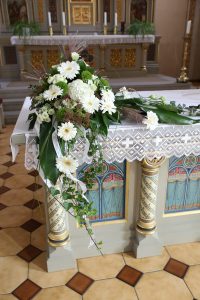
[147,207]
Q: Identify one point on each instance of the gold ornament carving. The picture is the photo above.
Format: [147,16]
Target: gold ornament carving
[37,59]
[119,7]
[116,57]
[40,11]
[52,57]
[130,58]
[82,14]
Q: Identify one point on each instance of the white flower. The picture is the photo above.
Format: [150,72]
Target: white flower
[45,117]
[53,92]
[69,69]
[90,103]
[92,85]
[66,164]
[107,95]
[123,89]
[39,98]
[108,106]
[51,111]
[56,78]
[78,90]
[67,131]
[151,121]
[75,56]
[40,118]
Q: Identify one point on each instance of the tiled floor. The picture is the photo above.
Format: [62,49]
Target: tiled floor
[175,275]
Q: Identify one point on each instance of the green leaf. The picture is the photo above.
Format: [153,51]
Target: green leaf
[47,154]
[32,118]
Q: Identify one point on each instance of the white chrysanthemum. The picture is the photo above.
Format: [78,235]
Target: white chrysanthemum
[107,95]
[151,121]
[56,78]
[78,90]
[67,131]
[66,164]
[90,103]
[75,56]
[108,106]
[53,92]
[69,69]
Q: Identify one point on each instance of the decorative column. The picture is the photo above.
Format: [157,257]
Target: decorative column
[147,242]
[102,57]
[21,55]
[145,47]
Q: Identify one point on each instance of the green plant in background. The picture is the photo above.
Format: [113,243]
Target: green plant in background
[23,28]
[140,27]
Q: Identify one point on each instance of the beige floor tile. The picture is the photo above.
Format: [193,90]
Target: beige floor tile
[7,297]
[110,289]
[13,271]
[1,182]
[13,240]
[14,216]
[16,197]
[40,195]
[101,267]
[19,181]
[39,214]
[38,238]
[57,293]
[192,279]
[162,286]
[3,169]
[188,253]
[39,275]
[4,159]
[149,264]
[18,169]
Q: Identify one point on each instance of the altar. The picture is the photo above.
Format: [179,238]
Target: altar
[147,196]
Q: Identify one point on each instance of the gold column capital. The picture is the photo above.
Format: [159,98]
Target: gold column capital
[151,167]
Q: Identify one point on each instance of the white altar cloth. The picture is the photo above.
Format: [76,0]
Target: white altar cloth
[128,141]
[88,39]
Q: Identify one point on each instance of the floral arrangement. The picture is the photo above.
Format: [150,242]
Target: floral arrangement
[70,102]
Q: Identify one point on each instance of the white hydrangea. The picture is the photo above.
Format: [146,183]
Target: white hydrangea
[107,95]
[78,90]
[56,78]
[151,121]
[53,92]
[75,56]
[69,69]
[92,85]
[67,131]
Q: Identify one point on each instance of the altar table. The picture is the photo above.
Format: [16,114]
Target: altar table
[145,227]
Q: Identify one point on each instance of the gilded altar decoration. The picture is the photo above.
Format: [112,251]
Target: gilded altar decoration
[119,9]
[37,59]
[116,57]
[53,57]
[82,14]
[130,58]
[17,11]
[40,11]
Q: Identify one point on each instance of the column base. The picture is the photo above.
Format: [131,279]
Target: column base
[60,258]
[149,245]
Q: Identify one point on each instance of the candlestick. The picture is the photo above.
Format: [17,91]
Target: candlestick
[183,78]
[115,19]
[188,28]
[115,29]
[105,18]
[50,30]
[105,29]
[49,19]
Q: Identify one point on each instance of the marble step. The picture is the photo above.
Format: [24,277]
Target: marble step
[11,116]
[13,104]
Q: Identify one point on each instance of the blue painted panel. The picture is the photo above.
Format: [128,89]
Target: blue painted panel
[183,190]
[108,192]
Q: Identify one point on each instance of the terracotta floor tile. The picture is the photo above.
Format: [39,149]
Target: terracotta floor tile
[129,275]
[32,204]
[18,169]
[80,283]
[1,182]
[4,150]
[39,214]
[101,267]
[34,173]
[29,253]
[8,297]
[176,268]
[34,187]
[9,164]
[38,273]
[187,253]
[4,159]
[40,195]
[6,175]
[19,181]
[39,238]
[3,189]
[192,279]
[162,285]
[13,271]
[27,290]
[31,225]
[14,216]
[16,197]
[57,293]
[13,240]
[110,289]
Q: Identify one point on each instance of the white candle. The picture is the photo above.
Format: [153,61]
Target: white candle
[105,18]
[63,18]
[188,28]
[115,19]
[49,18]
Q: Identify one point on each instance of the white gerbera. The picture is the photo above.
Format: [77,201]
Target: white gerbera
[78,90]
[66,164]
[107,95]
[67,131]
[151,121]
[108,106]
[56,78]
[53,92]
[75,56]
[90,103]
[69,69]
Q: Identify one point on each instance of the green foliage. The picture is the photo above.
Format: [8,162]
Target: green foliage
[32,118]
[63,86]
[103,83]
[140,27]
[24,28]
[86,75]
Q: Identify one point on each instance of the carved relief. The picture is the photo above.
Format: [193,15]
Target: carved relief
[52,57]
[37,59]
[116,57]
[82,14]
[119,6]
[17,11]
[129,58]
[40,11]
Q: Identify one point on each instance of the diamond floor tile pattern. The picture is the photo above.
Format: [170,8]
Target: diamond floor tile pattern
[80,283]
[176,268]
[129,275]
[29,253]
[34,187]
[31,225]
[32,204]
[6,175]
[27,290]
